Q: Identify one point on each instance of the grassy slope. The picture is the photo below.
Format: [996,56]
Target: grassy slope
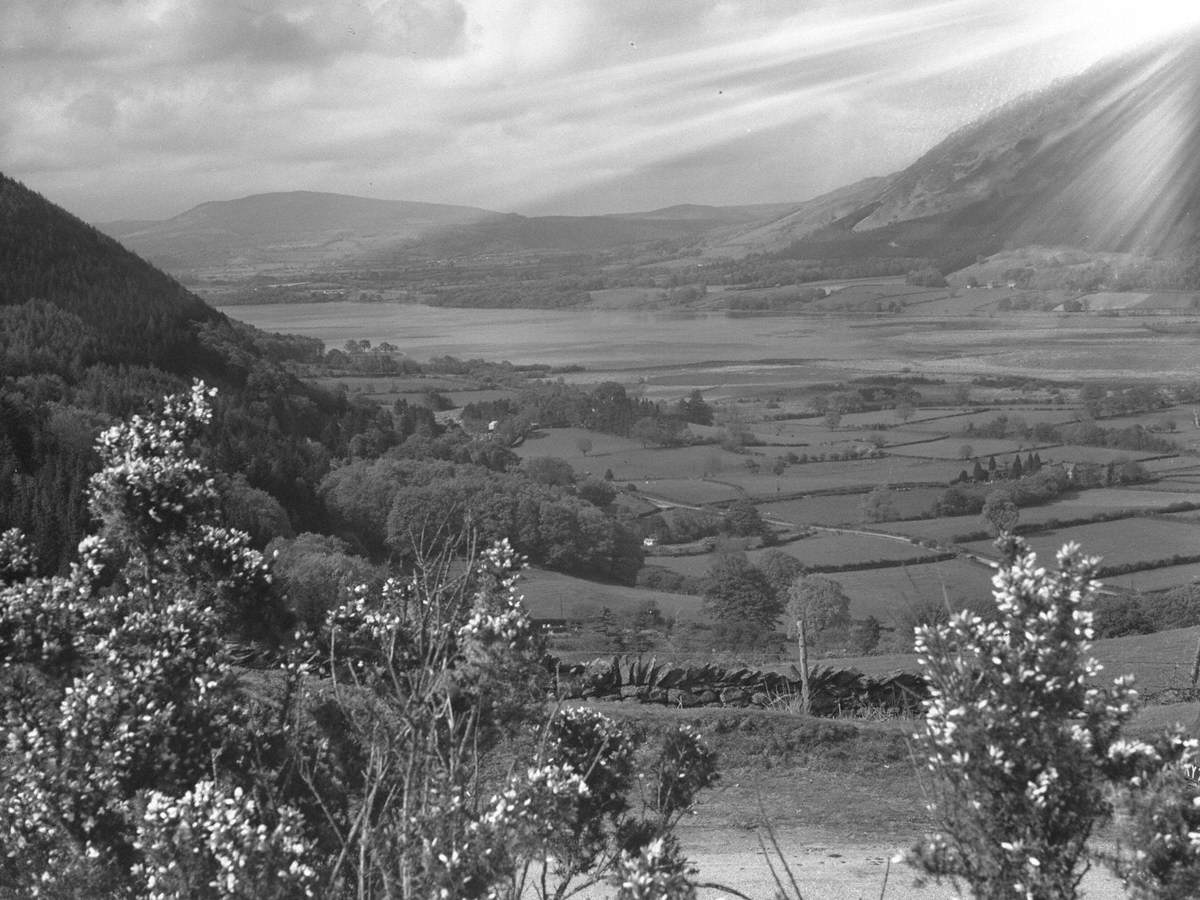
[853,777]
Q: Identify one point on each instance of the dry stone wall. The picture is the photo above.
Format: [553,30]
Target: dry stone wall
[835,692]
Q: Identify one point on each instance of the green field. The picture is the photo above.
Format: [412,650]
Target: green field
[1030,415]
[552,595]
[952,449]
[1119,543]
[770,369]
[564,443]
[822,549]
[888,593]
[1101,455]
[689,491]
[1156,579]
[846,509]
[943,530]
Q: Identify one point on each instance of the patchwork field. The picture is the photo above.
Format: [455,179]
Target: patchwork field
[1150,580]
[1120,543]
[820,550]
[957,449]
[552,595]
[847,509]
[888,594]
[1030,415]
[689,491]
[955,347]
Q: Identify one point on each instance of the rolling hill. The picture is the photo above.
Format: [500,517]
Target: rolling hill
[90,332]
[305,231]
[1108,161]
[286,231]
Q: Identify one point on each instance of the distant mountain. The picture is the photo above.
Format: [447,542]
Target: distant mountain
[286,231]
[713,215]
[798,220]
[308,231]
[1106,161]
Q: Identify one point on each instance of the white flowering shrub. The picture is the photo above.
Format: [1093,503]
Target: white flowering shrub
[150,487]
[16,557]
[159,521]
[653,873]
[1158,855]
[1021,747]
[137,762]
[114,683]
[423,683]
[216,843]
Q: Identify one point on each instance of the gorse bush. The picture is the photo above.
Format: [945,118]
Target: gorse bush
[403,748]
[1025,755]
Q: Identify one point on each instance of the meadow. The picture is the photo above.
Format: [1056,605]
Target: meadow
[1124,542]
[801,469]
[969,363]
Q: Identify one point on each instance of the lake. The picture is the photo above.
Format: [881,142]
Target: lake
[596,339]
[1051,346]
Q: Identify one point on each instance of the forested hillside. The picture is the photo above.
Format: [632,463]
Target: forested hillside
[89,332]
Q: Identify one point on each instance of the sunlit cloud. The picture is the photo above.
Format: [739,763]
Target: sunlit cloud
[145,108]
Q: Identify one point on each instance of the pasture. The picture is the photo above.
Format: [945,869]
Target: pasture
[969,363]
[1123,542]
[967,450]
[847,509]
[552,595]
[564,443]
[1029,415]
[1099,455]
[1150,580]
[689,491]
[824,549]
[892,593]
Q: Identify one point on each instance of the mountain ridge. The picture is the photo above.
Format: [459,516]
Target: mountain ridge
[1106,161]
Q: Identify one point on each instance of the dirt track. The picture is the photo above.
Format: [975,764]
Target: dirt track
[827,866]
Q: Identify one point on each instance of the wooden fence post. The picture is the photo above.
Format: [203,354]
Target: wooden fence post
[805,694]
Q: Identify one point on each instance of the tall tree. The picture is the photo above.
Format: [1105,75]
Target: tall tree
[737,592]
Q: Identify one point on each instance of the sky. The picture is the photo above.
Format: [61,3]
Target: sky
[129,109]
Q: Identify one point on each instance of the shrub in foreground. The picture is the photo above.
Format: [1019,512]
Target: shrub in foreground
[403,750]
[1024,754]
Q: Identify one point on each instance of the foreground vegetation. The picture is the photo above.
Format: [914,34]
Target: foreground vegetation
[388,755]
[404,746]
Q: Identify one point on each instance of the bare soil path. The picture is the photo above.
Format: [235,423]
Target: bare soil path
[828,865]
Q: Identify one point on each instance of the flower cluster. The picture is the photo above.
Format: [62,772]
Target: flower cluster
[1018,743]
[133,691]
[528,814]
[150,485]
[16,557]
[655,873]
[498,620]
[216,842]
[138,763]
[40,623]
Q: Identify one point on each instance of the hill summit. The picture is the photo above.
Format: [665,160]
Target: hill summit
[1107,161]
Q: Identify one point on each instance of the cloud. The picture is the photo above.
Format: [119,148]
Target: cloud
[133,107]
